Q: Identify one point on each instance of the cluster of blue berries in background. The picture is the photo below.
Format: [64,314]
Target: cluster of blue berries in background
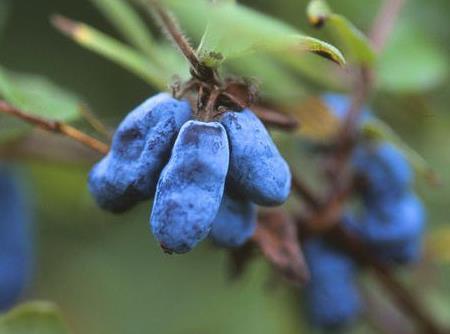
[391,223]
[15,238]
[205,177]
[332,294]
[393,219]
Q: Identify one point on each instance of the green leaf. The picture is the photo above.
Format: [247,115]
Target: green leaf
[275,82]
[33,318]
[235,31]
[131,26]
[411,62]
[376,129]
[114,50]
[355,42]
[175,63]
[315,71]
[37,95]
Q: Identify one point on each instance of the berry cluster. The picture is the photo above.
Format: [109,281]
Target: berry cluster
[15,239]
[205,177]
[391,224]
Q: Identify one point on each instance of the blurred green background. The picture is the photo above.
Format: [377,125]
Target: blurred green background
[108,274]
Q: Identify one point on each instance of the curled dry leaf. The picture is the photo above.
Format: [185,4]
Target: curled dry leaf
[276,236]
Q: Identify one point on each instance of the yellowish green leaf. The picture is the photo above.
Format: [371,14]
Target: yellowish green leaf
[131,26]
[33,318]
[317,122]
[354,41]
[438,245]
[114,50]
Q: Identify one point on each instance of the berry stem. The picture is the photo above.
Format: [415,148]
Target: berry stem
[168,23]
[210,105]
[95,122]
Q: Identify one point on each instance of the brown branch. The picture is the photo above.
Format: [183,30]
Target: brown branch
[275,119]
[401,295]
[55,127]
[305,193]
[384,318]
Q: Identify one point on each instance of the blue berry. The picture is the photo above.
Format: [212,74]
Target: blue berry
[339,105]
[332,295]
[15,239]
[191,186]
[257,170]
[141,146]
[385,168]
[394,230]
[235,223]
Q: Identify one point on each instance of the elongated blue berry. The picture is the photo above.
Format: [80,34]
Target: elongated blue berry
[235,223]
[257,170]
[191,186]
[141,146]
[385,168]
[15,239]
[394,230]
[333,299]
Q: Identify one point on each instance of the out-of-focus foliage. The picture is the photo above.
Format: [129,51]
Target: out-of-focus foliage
[230,30]
[129,24]
[411,62]
[36,318]
[36,95]
[118,52]
[355,42]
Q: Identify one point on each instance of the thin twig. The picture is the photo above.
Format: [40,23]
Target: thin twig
[169,24]
[55,127]
[95,122]
[384,23]
[384,318]
[276,119]
[211,104]
[305,193]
